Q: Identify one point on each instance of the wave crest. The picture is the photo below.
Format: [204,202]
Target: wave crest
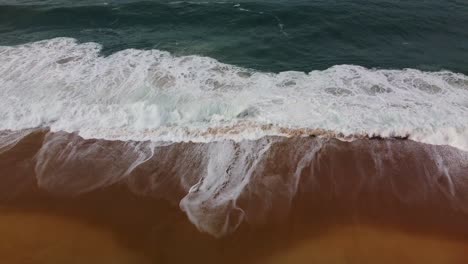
[151,95]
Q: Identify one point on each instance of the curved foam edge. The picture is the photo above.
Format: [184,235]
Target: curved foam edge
[139,95]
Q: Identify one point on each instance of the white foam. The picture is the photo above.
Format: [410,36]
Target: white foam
[152,95]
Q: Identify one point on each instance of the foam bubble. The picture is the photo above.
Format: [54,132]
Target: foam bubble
[151,95]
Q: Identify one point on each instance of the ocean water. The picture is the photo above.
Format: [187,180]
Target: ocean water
[230,110]
[266,35]
[171,71]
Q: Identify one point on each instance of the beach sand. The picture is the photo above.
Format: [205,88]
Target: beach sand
[113,226]
[339,214]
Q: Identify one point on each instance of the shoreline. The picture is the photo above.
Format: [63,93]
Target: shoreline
[263,201]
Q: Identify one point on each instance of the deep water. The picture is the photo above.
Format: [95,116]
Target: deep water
[269,36]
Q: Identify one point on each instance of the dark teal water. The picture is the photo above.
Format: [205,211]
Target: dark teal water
[265,35]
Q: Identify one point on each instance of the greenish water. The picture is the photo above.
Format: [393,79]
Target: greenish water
[264,35]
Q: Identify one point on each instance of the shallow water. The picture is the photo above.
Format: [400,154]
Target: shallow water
[366,201]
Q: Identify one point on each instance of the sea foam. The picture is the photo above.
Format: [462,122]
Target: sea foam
[151,95]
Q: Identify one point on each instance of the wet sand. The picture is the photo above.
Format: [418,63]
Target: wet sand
[63,203]
[113,226]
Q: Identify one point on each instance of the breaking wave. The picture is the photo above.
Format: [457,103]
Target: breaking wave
[151,95]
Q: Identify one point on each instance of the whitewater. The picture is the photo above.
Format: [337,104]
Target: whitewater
[151,95]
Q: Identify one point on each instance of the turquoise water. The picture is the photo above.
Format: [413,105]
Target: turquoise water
[269,36]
